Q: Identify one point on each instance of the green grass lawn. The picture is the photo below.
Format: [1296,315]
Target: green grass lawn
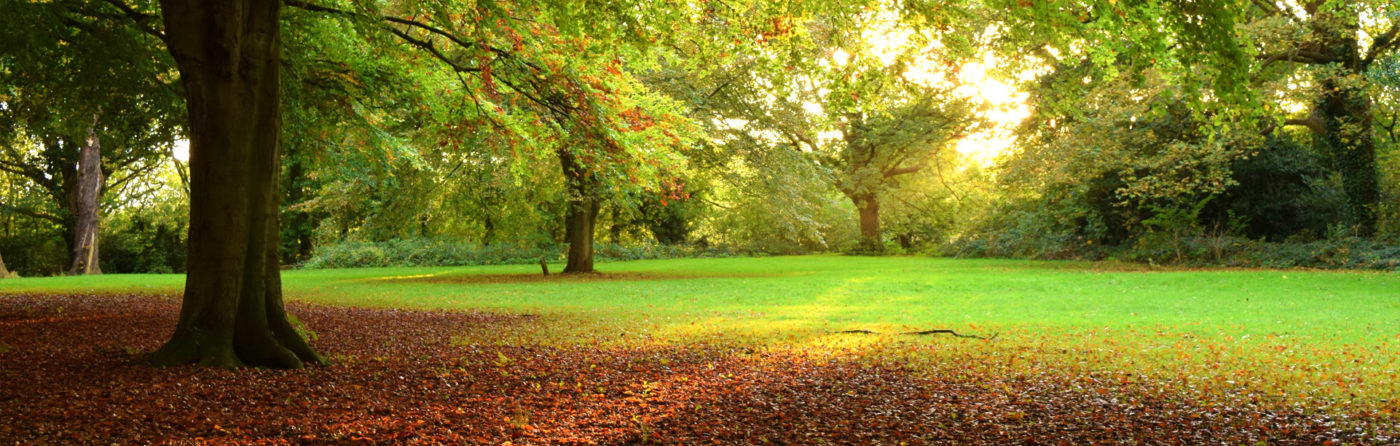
[1299,334]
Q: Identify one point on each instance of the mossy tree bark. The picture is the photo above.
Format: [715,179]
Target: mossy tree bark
[581,215]
[228,54]
[85,194]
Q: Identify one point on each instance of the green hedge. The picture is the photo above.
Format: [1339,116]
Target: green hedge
[446,252]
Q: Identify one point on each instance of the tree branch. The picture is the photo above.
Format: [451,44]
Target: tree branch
[1299,55]
[1382,43]
[925,332]
[139,171]
[32,213]
[1268,7]
[146,22]
[904,170]
[1313,122]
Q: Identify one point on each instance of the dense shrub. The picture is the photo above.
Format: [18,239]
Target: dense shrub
[139,244]
[1199,250]
[447,252]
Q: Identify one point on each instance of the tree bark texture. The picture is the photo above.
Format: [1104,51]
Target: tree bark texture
[4,273]
[84,204]
[581,215]
[228,54]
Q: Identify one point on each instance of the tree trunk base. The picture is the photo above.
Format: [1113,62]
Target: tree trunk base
[268,350]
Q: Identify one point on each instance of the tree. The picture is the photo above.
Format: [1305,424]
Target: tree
[1328,37]
[355,111]
[4,273]
[553,87]
[870,108]
[880,146]
[229,58]
[77,75]
[86,192]
[1249,55]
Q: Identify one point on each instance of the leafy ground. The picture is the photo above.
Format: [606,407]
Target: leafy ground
[734,350]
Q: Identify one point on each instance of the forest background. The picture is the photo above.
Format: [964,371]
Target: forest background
[974,128]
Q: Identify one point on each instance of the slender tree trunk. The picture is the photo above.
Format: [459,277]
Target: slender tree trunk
[306,244]
[488,225]
[615,229]
[580,217]
[297,232]
[228,53]
[66,196]
[85,211]
[869,208]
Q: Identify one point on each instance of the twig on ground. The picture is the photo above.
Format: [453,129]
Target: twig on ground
[924,332]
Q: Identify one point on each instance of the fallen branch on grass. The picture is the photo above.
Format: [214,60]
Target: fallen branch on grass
[925,332]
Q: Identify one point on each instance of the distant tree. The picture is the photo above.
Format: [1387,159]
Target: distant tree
[862,90]
[553,88]
[881,145]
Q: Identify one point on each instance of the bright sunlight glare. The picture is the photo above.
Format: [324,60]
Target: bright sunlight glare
[1006,106]
[182,150]
[1006,109]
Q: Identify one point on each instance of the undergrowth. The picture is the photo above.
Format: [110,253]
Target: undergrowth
[447,252]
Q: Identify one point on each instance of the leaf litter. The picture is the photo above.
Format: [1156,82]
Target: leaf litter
[73,371]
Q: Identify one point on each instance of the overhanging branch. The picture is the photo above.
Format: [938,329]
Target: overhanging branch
[1385,42]
[147,23]
[1299,55]
[32,213]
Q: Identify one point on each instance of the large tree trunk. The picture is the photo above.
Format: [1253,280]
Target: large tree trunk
[581,216]
[85,212]
[4,273]
[232,313]
[869,208]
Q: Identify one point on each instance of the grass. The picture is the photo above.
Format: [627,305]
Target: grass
[1299,335]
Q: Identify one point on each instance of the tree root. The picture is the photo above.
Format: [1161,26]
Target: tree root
[924,332]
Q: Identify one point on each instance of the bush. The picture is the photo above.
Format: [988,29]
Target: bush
[141,245]
[447,252]
[1228,251]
